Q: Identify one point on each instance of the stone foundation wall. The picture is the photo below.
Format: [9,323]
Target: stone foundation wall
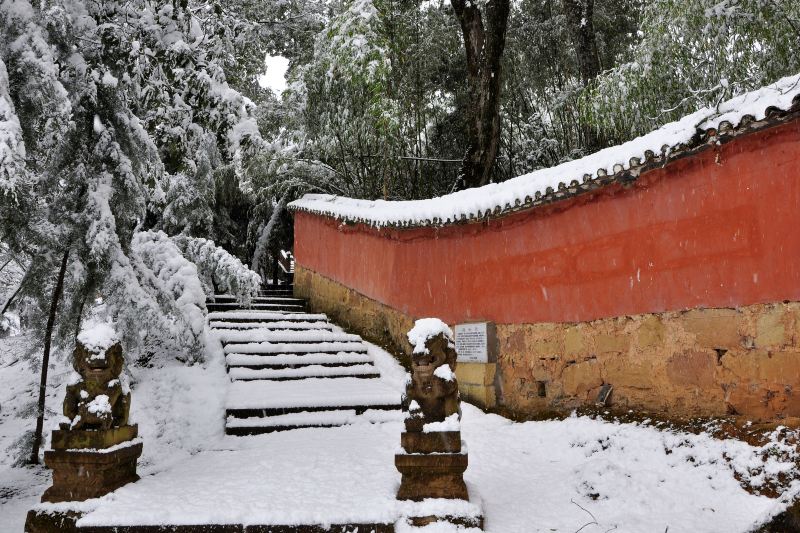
[386,327]
[700,362]
[376,322]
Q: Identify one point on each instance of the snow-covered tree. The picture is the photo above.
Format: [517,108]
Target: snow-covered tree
[111,113]
[120,110]
[694,53]
[219,270]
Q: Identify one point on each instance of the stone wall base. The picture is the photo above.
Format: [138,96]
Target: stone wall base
[700,362]
[376,322]
[476,383]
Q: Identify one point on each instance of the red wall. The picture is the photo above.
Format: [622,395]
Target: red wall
[699,233]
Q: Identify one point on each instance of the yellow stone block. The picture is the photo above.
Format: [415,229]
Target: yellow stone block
[574,342]
[770,330]
[714,328]
[481,395]
[650,332]
[476,373]
[611,343]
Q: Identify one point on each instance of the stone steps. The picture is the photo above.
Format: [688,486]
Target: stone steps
[363,371]
[257,316]
[231,336]
[267,348]
[293,360]
[308,419]
[276,290]
[278,297]
[283,325]
[290,369]
[339,393]
[214,306]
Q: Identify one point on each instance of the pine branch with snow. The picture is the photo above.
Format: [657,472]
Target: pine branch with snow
[218,269]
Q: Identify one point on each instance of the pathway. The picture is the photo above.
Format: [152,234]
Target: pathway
[291,369]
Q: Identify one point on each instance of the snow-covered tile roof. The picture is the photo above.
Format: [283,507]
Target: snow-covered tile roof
[743,113]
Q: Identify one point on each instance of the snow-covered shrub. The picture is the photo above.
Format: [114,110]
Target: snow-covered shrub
[218,269]
[9,325]
[157,298]
[12,148]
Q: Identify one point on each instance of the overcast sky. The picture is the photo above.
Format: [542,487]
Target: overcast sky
[274,75]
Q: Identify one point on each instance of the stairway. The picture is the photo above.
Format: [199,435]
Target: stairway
[291,369]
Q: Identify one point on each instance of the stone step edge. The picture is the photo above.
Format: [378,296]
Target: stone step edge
[314,376]
[218,297]
[278,365]
[356,370]
[214,306]
[268,316]
[246,326]
[295,358]
[277,411]
[297,349]
[262,362]
[317,419]
[290,341]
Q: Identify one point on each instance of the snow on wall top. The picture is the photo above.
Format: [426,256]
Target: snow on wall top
[617,163]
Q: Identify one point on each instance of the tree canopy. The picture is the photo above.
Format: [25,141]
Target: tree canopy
[136,140]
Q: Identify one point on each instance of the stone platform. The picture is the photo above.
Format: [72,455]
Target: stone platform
[294,481]
[65,522]
[90,464]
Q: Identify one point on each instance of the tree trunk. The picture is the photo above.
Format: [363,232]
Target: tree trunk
[580,19]
[48,335]
[484,33]
[263,239]
[7,305]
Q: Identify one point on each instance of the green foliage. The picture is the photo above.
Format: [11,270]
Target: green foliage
[693,53]
[542,124]
[371,103]
[124,113]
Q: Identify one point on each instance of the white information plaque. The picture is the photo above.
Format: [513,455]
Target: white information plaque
[472,345]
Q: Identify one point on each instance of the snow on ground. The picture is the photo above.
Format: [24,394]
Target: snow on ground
[179,410]
[21,487]
[535,476]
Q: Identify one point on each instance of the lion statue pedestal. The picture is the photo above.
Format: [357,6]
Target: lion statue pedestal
[96,451]
[432,463]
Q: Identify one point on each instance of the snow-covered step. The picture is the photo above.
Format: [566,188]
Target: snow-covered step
[231,298]
[257,306]
[283,360]
[296,347]
[363,371]
[309,419]
[272,326]
[224,299]
[284,336]
[264,316]
[267,398]
[279,290]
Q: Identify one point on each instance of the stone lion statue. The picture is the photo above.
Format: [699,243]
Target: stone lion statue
[97,400]
[432,392]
